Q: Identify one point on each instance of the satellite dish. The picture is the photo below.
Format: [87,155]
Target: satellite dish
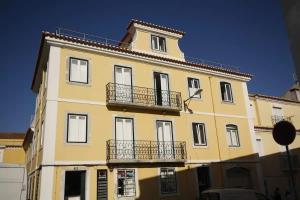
[284,132]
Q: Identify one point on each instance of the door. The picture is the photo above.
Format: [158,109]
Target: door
[203,177]
[124,138]
[101,184]
[165,140]
[162,93]
[123,84]
[74,185]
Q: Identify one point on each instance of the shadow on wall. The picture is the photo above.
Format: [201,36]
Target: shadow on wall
[263,174]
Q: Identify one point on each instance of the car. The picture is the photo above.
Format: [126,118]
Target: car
[232,194]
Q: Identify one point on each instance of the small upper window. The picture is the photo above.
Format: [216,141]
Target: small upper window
[226,92]
[78,70]
[158,43]
[199,134]
[194,85]
[77,128]
[232,135]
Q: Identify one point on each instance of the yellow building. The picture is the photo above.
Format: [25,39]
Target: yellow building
[135,120]
[12,169]
[11,151]
[267,111]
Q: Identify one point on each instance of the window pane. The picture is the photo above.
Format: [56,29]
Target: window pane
[162,44]
[126,183]
[155,42]
[202,134]
[190,82]
[195,134]
[82,129]
[78,70]
[72,128]
[168,180]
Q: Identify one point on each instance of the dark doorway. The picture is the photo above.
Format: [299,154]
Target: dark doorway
[203,174]
[75,185]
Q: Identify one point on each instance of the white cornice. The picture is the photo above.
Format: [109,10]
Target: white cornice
[64,43]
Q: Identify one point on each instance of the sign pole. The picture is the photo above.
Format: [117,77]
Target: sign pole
[291,172]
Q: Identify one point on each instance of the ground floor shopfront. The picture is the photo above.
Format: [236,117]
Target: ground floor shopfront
[139,181]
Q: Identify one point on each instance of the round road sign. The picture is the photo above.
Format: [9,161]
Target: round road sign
[284,132]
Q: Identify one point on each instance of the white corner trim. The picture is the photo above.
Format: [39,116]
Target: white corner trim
[250,120]
[51,106]
[47,181]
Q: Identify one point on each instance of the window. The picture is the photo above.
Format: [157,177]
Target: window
[78,70]
[158,43]
[75,185]
[194,85]
[126,182]
[77,128]
[233,135]
[199,134]
[42,134]
[226,92]
[1,153]
[168,182]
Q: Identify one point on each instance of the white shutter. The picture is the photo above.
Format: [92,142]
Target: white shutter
[72,128]
[81,136]
[83,71]
[128,129]
[127,76]
[75,70]
[119,129]
[160,131]
[164,89]
[167,132]
[118,75]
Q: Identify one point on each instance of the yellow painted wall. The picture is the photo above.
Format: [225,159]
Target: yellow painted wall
[14,154]
[142,42]
[101,124]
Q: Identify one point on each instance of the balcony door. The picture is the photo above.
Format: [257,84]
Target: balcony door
[124,138]
[123,84]
[165,140]
[161,84]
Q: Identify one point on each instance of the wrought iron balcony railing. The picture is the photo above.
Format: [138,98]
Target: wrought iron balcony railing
[277,118]
[145,151]
[118,94]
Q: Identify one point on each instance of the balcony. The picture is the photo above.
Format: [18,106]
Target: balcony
[277,118]
[143,151]
[142,97]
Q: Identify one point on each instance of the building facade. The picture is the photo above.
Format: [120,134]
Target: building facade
[266,112]
[12,170]
[136,120]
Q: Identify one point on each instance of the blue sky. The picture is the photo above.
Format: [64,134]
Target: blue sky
[250,34]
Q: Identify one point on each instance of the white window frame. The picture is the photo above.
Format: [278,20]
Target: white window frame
[164,47]
[200,143]
[70,70]
[193,89]
[126,179]
[42,133]
[175,181]
[68,127]
[228,97]
[230,128]
[2,148]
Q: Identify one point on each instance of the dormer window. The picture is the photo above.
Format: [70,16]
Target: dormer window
[158,43]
